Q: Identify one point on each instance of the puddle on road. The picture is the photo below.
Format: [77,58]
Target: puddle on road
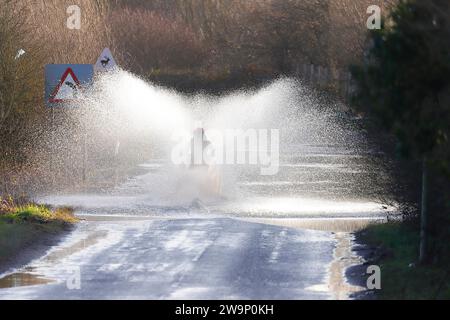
[90,240]
[344,258]
[26,277]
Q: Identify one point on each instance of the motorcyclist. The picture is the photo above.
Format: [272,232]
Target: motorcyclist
[199,145]
[204,177]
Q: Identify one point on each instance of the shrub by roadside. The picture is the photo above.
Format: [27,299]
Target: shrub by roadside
[11,212]
[23,225]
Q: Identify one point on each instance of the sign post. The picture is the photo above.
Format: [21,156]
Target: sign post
[106,63]
[64,86]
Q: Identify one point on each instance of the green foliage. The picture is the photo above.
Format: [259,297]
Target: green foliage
[22,226]
[29,213]
[404,84]
[10,212]
[405,81]
[401,277]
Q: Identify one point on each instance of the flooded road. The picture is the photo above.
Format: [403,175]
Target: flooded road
[135,244]
[185,259]
[285,236]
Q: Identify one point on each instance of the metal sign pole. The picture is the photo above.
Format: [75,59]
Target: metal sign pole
[85,156]
[61,84]
[84,150]
[53,151]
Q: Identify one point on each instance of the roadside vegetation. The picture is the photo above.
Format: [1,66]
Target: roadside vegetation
[35,213]
[403,88]
[396,247]
[24,224]
[401,76]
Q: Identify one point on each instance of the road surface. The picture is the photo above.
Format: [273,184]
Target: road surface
[218,258]
[155,242]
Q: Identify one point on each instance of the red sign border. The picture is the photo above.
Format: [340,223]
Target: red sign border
[63,78]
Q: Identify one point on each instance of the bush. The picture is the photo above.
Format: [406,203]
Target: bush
[12,211]
[404,85]
[154,42]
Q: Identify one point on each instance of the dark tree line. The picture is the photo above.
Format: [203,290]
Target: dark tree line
[405,86]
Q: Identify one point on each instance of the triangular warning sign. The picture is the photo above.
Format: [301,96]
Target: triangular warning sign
[105,62]
[67,89]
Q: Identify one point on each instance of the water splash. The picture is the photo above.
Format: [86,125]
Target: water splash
[326,163]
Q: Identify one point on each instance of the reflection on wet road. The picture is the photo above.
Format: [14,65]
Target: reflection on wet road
[185,259]
[150,239]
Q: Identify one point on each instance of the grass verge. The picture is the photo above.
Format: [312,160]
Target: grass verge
[21,226]
[397,247]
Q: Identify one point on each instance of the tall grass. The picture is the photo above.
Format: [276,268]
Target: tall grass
[21,211]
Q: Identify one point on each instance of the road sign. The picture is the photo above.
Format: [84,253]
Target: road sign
[105,62]
[64,83]
[67,89]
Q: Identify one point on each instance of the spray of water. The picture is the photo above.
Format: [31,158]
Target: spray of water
[323,156]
